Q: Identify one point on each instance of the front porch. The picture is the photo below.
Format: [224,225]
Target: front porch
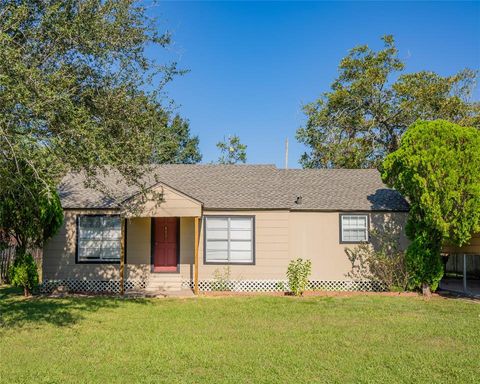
[101,250]
[161,252]
[155,255]
[160,244]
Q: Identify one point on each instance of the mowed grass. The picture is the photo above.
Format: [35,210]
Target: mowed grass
[369,339]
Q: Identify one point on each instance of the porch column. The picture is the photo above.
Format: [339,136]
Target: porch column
[122,257]
[195,270]
[465,272]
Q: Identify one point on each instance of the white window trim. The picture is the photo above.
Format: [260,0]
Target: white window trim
[78,258]
[367,229]
[228,262]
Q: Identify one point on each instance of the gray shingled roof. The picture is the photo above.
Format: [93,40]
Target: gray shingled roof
[250,187]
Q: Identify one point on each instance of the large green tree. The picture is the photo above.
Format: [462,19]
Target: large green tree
[371,104]
[30,213]
[177,145]
[437,168]
[76,83]
[232,151]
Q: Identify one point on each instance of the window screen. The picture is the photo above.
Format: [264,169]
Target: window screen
[98,238]
[229,239]
[354,228]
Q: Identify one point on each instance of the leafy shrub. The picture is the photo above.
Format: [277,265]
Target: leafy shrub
[298,273]
[424,263]
[221,279]
[383,261]
[23,273]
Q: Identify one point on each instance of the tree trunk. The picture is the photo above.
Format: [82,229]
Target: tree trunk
[26,291]
[426,290]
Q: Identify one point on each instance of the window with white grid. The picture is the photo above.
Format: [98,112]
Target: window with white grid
[229,240]
[354,228]
[98,238]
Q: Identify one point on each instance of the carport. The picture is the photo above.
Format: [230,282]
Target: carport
[462,268]
[462,273]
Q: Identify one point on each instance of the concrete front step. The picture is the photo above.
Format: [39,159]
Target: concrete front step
[165,277]
[163,287]
[164,282]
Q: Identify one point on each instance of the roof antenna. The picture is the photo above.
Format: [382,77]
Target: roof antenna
[286,153]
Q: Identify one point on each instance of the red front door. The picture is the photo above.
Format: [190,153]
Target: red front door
[165,239]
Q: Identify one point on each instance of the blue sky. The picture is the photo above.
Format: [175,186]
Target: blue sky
[254,64]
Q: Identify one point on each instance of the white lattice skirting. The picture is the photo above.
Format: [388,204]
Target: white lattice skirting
[282,285]
[100,286]
[113,286]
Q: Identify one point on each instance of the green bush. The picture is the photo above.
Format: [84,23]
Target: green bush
[298,273]
[221,280]
[23,273]
[382,259]
[424,262]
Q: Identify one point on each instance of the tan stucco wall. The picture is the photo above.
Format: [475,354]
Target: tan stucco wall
[187,247]
[280,236]
[316,236]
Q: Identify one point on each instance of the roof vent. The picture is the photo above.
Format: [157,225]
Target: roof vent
[298,200]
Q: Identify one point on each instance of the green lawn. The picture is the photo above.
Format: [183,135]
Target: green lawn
[239,340]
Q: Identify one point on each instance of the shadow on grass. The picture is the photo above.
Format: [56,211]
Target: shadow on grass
[446,294]
[17,311]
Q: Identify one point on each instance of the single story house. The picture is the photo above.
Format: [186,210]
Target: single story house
[231,227]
